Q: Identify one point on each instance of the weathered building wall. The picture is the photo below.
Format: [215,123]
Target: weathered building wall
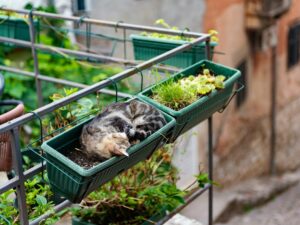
[243,144]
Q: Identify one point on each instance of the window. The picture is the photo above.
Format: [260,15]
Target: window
[293,45]
[241,96]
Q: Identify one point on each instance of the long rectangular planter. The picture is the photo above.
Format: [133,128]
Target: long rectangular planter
[146,48]
[205,106]
[74,182]
[152,220]
[17,28]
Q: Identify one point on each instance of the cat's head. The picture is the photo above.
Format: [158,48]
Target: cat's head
[113,144]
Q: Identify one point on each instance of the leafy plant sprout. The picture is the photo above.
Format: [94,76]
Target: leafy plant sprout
[177,94]
[162,22]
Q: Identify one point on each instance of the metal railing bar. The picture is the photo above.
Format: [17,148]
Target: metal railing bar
[60,81]
[12,183]
[82,54]
[107,23]
[17,165]
[57,208]
[65,51]
[34,171]
[38,84]
[93,88]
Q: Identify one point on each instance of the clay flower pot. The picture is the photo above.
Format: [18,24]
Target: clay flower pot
[5,145]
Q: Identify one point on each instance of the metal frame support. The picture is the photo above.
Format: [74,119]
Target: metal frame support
[210,170]
[273,111]
[36,63]
[20,187]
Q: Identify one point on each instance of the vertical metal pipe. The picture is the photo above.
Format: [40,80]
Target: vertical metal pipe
[20,188]
[38,84]
[207,49]
[210,170]
[124,42]
[273,111]
[210,150]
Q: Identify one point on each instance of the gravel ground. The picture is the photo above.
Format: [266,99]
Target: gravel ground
[283,210]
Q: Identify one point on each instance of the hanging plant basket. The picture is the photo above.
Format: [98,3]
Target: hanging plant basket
[5,144]
[16,28]
[75,182]
[205,106]
[146,48]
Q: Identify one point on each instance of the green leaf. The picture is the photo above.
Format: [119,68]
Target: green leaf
[41,200]
[69,91]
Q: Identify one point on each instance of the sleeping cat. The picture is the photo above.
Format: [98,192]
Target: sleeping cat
[118,127]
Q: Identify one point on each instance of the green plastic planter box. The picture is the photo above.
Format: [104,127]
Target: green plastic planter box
[146,48]
[17,28]
[78,221]
[155,218]
[74,182]
[205,106]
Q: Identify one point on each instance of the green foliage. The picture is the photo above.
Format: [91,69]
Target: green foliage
[58,65]
[161,22]
[203,179]
[179,94]
[173,95]
[71,112]
[37,195]
[135,195]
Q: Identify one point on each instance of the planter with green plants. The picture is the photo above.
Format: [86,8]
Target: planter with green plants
[133,198]
[193,94]
[143,195]
[38,202]
[13,25]
[148,45]
[73,181]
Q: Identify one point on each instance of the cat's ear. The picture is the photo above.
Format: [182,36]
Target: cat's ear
[120,151]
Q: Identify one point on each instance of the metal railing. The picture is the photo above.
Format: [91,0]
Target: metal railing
[21,176]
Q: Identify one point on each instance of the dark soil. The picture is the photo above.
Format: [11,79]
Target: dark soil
[80,158]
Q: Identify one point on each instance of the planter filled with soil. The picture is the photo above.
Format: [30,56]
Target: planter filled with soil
[201,107]
[74,176]
[146,48]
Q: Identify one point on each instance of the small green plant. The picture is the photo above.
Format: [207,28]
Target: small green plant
[173,95]
[162,22]
[37,201]
[177,94]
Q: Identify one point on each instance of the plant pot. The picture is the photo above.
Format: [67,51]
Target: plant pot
[155,218]
[17,28]
[146,48]
[74,182]
[5,152]
[5,144]
[205,106]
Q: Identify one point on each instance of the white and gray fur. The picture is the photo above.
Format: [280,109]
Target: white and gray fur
[118,127]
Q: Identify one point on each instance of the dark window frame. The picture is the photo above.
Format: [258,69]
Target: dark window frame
[293,45]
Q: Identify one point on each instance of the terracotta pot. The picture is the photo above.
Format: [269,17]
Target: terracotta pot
[5,145]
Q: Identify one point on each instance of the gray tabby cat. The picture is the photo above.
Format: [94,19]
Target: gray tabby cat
[118,127]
